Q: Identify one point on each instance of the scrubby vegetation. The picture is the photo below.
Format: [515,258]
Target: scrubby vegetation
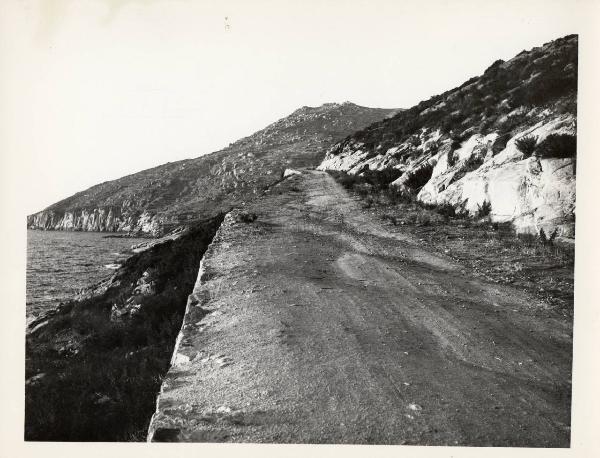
[500,142]
[97,379]
[548,239]
[557,147]
[535,262]
[526,145]
[498,100]
[381,178]
[419,177]
[554,146]
[246,217]
[452,159]
[484,209]
[381,194]
[471,164]
[372,180]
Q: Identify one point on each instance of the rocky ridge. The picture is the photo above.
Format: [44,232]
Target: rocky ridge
[157,200]
[501,145]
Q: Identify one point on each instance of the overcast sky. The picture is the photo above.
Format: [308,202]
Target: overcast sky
[96,89]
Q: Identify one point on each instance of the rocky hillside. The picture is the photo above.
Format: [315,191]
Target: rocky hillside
[157,200]
[501,145]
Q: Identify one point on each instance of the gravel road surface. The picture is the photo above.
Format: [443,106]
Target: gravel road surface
[316,324]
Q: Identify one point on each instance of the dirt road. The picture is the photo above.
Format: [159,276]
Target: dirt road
[315,324]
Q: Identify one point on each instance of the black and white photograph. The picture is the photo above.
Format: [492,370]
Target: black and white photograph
[319,222]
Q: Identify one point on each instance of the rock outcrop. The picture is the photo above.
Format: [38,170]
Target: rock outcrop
[103,219]
[462,148]
[531,192]
[157,200]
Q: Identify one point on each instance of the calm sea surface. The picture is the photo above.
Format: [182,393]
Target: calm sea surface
[59,264]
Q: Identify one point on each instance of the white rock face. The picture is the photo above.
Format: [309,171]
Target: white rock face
[531,193]
[110,219]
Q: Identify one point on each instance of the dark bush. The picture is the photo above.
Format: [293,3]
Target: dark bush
[451,159]
[373,186]
[493,69]
[446,125]
[484,209]
[512,122]
[247,217]
[500,143]
[362,188]
[345,179]
[548,240]
[447,210]
[542,90]
[391,218]
[420,177]
[433,147]
[473,163]
[487,123]
[557,146]
[526,145]
[395,197]
[367,181]
[456,144]
[381,178]
[456,137]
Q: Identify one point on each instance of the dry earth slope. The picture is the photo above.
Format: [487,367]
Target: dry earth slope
[315,324]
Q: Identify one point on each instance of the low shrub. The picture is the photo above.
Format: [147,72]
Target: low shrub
[512,123]
[368,202]
[362,189]
[557,146]
[420,177]
[541,90]
[456,144]
[526,145]
[423,219]
[451,158]
[391,218]
[373,186]
[500,143]
[484,209]
[381,178]
[345,179]
[394,196]
[486,124]
[247,217]
[446,210]
[473,163]
[548,239]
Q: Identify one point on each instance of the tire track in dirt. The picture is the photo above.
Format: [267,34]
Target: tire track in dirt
[325,327]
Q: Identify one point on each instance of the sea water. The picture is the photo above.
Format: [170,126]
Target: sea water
[60,264]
